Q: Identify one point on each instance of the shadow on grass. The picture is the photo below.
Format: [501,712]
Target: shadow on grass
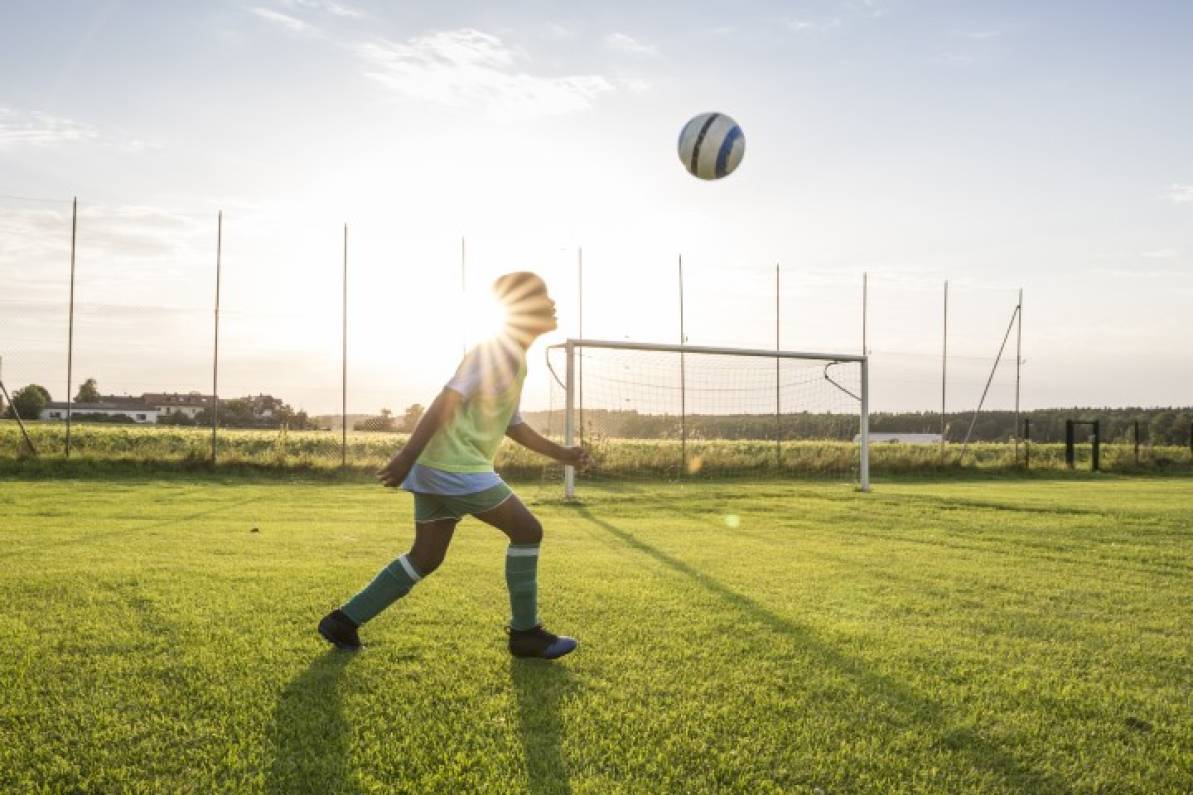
[90,536]
[540,687]
[978,752]
[309,733]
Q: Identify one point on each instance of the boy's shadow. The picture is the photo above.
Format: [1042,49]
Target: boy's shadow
[309,733]
[540,687]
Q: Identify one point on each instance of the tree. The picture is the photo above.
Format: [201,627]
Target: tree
[413,414]
[383,422]
[177,418]
[88,392]
[29,402]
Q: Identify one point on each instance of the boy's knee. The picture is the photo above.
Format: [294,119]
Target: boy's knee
[529,532]
[426,562]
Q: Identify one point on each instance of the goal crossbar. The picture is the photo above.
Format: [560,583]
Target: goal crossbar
[760,352]
[571,344]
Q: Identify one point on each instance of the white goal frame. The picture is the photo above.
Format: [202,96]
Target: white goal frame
[569,414]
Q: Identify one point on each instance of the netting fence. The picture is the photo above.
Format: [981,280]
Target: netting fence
[143,323]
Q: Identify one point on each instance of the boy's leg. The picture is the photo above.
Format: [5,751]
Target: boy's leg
[527,637]
[431,540]
[521,558]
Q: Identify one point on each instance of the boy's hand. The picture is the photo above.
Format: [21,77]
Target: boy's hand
[575,456]
[393,473]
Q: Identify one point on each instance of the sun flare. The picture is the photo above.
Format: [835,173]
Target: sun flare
[484,316]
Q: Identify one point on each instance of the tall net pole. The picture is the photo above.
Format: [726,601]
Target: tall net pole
[683,384]
[944,372]
[865,307]
[215,359]
[1018,364]
[580,331]
[16,414]
[344,362]
[464,287]
[778,384]
[70,323]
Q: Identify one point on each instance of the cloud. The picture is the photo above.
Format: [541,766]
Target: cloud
[106,233]
[982,34]
[635,85]
[1180,194]
[292,24]
[34,128]
[812,25]
[326,6]
[871,8]
[620,41]
[1160,253]
[467,67]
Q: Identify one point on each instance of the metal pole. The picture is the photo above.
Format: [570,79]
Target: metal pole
[1070,457]
[569,426]
[986,390]
[683,408]
[70,333]
[864,452]
[215,364]
[580,323]
[1026,443]
[464,288]
[944,372]
[778,402]
[16,414]
[1018,363]
[344,363]
[865,307]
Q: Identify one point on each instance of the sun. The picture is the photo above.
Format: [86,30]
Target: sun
[484,316]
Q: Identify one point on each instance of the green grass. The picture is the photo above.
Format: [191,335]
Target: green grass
[1002,636]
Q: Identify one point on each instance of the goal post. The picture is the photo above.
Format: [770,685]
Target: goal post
[719,402]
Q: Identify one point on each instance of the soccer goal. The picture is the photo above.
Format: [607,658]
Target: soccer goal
[654,411]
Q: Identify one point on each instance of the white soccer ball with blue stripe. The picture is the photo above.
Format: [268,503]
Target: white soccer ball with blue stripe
[711,145]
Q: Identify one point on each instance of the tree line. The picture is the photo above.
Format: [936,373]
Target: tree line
[29,402]
[1158,426]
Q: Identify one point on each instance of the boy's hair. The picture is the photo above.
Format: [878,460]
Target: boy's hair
[518,286]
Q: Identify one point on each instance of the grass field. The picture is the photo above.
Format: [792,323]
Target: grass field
[988,636]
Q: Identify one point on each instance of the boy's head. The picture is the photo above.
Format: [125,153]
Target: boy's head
[530,311]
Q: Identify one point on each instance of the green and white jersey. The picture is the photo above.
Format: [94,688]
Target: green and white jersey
[459,457]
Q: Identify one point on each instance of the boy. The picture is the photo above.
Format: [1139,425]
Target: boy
[448,465]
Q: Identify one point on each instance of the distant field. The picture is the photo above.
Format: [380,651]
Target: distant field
[614,458]
[998,636]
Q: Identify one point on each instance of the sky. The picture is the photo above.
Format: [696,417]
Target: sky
[999,146]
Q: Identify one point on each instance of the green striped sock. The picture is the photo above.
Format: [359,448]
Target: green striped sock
[521,575]
[391,584]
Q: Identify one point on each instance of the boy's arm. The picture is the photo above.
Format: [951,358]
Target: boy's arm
[529,438]
[442,408]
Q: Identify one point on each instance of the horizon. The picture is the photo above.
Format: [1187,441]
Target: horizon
[998,148]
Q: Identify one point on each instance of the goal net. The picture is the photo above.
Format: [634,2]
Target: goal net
[670,412]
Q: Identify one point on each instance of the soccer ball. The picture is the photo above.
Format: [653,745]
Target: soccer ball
[711,145]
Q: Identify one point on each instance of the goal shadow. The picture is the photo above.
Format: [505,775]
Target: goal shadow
[980,753]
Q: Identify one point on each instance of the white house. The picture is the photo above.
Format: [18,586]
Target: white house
[901,438]
[134,408]
[168,403]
